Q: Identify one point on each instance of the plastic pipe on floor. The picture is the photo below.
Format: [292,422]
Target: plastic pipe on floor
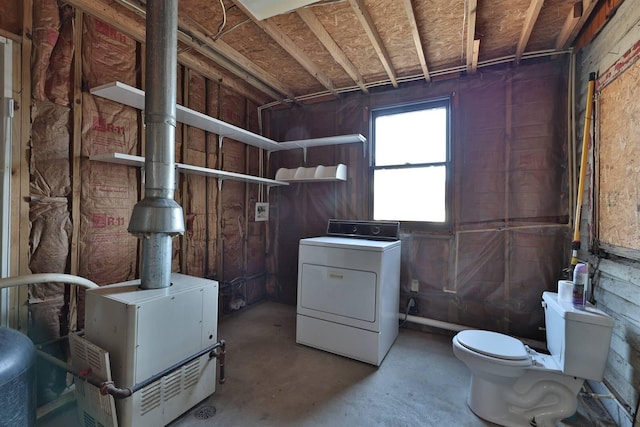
[457,328]
[29,279]
[432,322]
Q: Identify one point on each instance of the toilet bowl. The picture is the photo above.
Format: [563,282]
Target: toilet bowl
[514,385]
[517,386]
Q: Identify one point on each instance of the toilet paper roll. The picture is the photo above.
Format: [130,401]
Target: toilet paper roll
[565,291]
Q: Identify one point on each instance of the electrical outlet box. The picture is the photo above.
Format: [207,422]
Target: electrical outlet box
[415,285]
[262,211]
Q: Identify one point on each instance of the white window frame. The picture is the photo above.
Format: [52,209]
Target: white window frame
[412,188]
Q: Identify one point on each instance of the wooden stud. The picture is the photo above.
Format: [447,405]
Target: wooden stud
[16,202]
[332,47]
[472,7]
[183,182]
[529,23]
[136,30]
[360,9]
[474,55]
[244,65]
[416,38]
[291,48]
[570,24]
[75,163]
[508,136]
[9,35]
[24,152]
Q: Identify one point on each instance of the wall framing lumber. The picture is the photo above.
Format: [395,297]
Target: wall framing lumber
[23,169]
[416,38]
[529,22]
[136,31]
[360,9]
[292,49]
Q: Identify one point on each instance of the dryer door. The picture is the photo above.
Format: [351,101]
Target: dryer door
[332,291]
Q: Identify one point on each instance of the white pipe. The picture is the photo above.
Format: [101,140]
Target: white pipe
[28,279]
[432,322]
[457,328]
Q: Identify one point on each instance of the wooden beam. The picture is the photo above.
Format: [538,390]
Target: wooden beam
[570,24]
[598,18]
[292,49]
[366,21]
[189,31]
[233,60]
[587,8]
[136,30]
[23,167]
[472,7]
[16,299]
[76,181]
[327,41]
[474,55]
[9,35]
[416,38]
[529,23]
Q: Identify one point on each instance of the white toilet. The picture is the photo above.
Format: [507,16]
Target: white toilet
[513,385]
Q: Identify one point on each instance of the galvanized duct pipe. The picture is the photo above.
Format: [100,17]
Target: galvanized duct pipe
[158,218]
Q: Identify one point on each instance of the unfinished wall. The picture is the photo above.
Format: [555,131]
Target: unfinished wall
[50,182]
[615,278]
[509,236]
[106,193]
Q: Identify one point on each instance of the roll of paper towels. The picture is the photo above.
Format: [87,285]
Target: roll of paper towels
[565,291]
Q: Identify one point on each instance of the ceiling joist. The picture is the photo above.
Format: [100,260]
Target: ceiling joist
[136,30]
[192,34]
[474,55]
[237,63]
[291,48]
[338,54]
[472,6]
[573,18]
[416,38]
[366,21]
[529,22]
[578,15]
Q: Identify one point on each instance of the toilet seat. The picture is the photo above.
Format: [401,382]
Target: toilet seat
[493,344]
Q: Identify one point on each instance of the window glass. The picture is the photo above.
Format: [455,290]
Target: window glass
[413,137]
[411,163]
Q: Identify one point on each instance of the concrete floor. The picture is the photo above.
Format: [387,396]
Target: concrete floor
[271,381]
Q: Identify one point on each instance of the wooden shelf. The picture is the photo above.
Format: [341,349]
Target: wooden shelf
[133,97]
[131,160]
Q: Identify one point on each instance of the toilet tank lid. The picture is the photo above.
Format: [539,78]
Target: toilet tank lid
[493,344]
[589,315]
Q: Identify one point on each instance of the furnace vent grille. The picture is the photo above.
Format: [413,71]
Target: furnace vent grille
[191,374]
[150,397]
[95,409]
[171,385]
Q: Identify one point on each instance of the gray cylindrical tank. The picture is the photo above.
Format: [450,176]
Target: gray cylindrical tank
[17,379]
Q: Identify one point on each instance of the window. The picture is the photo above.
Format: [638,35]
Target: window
[411,162]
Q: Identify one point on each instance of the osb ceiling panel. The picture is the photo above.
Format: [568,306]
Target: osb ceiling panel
[499,28]
[304,38]
[345,29]
[443,49]
[282,58]
[550,22]
[392,24]
[252,42]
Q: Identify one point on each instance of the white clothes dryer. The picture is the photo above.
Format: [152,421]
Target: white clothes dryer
[349,290]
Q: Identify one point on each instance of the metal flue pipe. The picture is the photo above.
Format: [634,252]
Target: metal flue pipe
[158,218]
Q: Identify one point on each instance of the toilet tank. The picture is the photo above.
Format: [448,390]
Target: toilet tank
[578,340]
